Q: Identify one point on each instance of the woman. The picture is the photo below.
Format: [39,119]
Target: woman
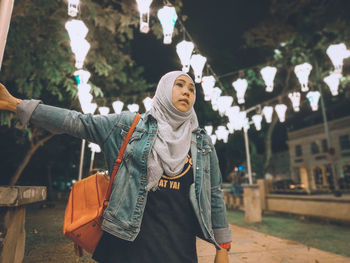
[159,203]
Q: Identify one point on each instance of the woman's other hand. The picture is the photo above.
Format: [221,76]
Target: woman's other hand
[221,256]
[7,101]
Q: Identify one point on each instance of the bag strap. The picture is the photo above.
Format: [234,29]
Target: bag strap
[119,159]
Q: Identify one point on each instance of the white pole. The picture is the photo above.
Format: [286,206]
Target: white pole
[92,160]
[246,142]
[81,160]
[6,7]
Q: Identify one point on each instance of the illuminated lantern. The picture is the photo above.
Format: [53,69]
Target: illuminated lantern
[103,110]
[77,30]
[222,133]
[94,147]
[333,82]
[257,118]
[303,71]
[267,112]
[281,111]
[197,63]
[208,83]
[232,113]
[313,97]
[213,138]
[89,107]
[147,102]
[73,7]
[240,86]
[85,98]
[167,17]
[184,50]
[133,107]
[231,127]
[268,74]
[82,76]
[337,53]
[84,89]
[118,106]
[143,6]
[295,98]
[209,129]
[224,103]
[80,49]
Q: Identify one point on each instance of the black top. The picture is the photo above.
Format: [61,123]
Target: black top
[168,229]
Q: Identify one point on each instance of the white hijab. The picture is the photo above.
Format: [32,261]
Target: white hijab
[173,139]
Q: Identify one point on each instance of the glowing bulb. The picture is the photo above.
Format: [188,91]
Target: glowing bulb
[80,49]
[295,98]
[281,112]
[167,17]
[208,83]
[133,107]
[333,82]
[103,110]
[184,50]
[222,133]
[118,106]
[268,74]
[76,29]
[313,97]
[94,147]
[213,138]
[197,63]
[147,102]
[337,53]
[209,129]
[240,86]
[143,6]
[82,76]
[73,7]
[267,112]
[224,103]
[257,118]
[303,71]
[88,107]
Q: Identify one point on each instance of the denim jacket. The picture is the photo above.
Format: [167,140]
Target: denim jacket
[123,215]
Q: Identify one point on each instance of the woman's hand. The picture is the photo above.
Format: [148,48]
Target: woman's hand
[221,256]
[7,101]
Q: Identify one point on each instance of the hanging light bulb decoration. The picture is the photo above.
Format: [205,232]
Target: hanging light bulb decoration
[103,110]
[82,76]
[337,53]
[303,71]
[143,6]
[118,106]
[222,133]
[147,102]
[333,82]
[88,108]
[295,98]
[209,129]
[133,107]
[208,83]
[257,118]
[268,74]
[281,111]
[167,17]
[73,7]
[224,103]
[231,127]
[184,50]
[80,49]
[85,99]
[197,63]
[77,30]
[94,147]
[267,112]
[232,113]
[313,98]
[214,96]
[240,86]
[213,138]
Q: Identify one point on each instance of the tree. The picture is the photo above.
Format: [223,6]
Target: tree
[294,33]
[39,63]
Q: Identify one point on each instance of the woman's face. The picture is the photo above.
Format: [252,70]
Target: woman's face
[183,95]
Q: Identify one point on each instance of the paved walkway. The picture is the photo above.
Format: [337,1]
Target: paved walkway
[249,246]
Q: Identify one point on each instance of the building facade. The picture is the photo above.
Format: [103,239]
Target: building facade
[316,166]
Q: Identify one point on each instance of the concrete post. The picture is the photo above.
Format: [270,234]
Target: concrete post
[252,203]
[262,184]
